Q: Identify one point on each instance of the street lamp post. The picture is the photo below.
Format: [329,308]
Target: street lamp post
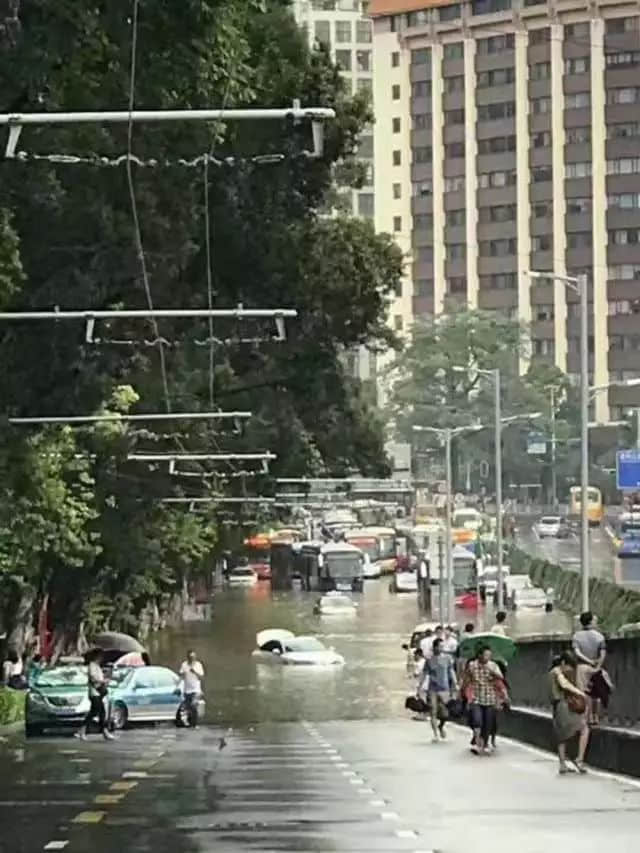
[498,470]
[579,285]
[554,479]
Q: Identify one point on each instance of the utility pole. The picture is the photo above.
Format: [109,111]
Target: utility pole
[584,439]
[554,480]
[498,440]
[449,526]
[441,579]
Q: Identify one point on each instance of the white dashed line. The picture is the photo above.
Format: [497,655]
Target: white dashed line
[406,833]
[377,803]
[135,774]
[390,816]
[55,845]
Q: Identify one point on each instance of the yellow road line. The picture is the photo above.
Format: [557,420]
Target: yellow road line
[88,817]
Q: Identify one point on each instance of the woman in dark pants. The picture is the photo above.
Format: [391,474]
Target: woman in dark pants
[97,693]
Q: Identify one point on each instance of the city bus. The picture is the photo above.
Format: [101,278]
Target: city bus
[595,510]
[379,543]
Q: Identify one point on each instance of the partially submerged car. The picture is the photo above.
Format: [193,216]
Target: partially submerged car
[336,604]
[283,647]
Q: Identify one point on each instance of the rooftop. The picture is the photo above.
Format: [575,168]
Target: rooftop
[379,8]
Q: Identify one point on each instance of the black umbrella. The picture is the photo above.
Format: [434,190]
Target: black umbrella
[114,641]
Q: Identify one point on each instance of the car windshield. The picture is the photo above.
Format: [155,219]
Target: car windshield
[304,644]
[368,546]
[64,676]
[344,565]
[246,572]
[462,518]
[550,519]
[119,674]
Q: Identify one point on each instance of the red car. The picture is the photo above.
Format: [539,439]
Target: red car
[262,570]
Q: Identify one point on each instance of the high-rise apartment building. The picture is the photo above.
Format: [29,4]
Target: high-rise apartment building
[507,139]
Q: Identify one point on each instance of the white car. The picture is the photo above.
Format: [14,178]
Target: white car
[529,597]
[370,571]
[552,526]
[405,581]
[283,647]
[242,576]
[336,604]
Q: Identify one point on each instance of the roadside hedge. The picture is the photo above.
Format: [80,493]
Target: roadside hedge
[613,605]
[11,706]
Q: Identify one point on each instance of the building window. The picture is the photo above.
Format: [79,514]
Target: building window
[417,19]
[422,56]
[397,191]
[455,184]
[579,65]
[343,60]
[422,121]
[343,31]
[496,44]
[624,272]
[455,218]
[544,346]
[395,125]
[395,92]
[495,112]
[455,50]
[363,32]
[542,210]
[623,59]
[425,254]
[578,170]
[423,287]
[421,89]
[488,180]
[423,188]
[363,60]
[454,84]
[544,312]
[423,221]
[499,281]
[577,101]
[614,26]
[486,7]
[395,59]
[540,71]
[625,201]
[541,140]
[540,174]
[628,95]
[452,117]
[322,30]
[578,206]
[453,150]
[457,284]
[624,237]
[497,213]
[623,306]
[365,205]
[497,145]
[580,30]
[542,243]
[579,240]
[498,248]
[623,131]
[449,13]
[577,136]
[364,84]
[398,289]
[497,77]
[422,154]
[456,251]
[539,36]
[539,106]
[397,223]
[623,166]
[397,322]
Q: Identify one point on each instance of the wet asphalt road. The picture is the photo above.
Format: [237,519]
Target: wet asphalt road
[335,786]
[566,552]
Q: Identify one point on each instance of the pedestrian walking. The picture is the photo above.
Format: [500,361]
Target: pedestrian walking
[13,671]
[590,650]
[500,627]
[450,641]
[442,685]
[569,705]
[192,673]
[485,692]
[97,686]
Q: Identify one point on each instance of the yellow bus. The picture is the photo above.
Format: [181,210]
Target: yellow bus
[595,510]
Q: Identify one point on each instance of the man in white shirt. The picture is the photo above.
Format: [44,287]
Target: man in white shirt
[192,673]
[450,642]
[499,627]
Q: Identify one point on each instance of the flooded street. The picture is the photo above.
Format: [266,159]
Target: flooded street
[372,684]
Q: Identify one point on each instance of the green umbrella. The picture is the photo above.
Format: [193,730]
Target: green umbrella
[502,648]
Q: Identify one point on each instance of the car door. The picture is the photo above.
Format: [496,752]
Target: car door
[143,689]
[167,693]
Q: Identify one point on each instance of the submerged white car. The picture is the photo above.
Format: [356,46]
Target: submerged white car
[242,576]
[404,581]
[283,647]
[336,604]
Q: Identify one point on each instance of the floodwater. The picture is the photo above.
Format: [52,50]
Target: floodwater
[373,683]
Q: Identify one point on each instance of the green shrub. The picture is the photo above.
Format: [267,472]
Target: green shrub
[11,706]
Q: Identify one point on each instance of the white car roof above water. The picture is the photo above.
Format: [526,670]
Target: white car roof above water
[340,548]
[270,635]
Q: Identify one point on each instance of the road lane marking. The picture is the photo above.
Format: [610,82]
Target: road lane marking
[406,833]
[135,774]
[55,845]
[89,817]
[123,786]
[11,804]
[377,803]
[390,816]
[107,799]
[80,760]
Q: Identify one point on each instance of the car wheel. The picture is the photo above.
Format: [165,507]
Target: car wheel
[119,716]
[32,730]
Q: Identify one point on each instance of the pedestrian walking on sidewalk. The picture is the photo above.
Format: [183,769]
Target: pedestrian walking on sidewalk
[192,673]
[97,686]
[590,650]
[485,691]
[500,627]
[442,685]
[569,705]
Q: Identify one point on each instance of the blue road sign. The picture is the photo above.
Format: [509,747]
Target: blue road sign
[628,469]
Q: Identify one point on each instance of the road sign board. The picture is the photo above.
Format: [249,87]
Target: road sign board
[628,469]
[536,444]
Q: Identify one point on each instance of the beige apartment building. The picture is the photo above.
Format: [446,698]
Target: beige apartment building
[507,139]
